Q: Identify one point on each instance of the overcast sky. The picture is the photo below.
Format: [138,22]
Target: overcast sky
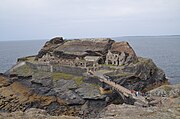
[44,19]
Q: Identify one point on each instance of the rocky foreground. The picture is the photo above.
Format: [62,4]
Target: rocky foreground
[167,108]
[31,90]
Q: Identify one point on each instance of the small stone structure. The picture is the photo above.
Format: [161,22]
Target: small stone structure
[93,60]
[115,58]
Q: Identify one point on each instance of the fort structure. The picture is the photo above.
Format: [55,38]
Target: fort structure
[86,53]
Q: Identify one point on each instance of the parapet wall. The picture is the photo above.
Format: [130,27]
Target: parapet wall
[58,68]
[70,70]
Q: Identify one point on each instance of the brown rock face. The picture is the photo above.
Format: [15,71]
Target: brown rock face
[83,46]
[50,46]
[122,47]
[15,96]
[53,43]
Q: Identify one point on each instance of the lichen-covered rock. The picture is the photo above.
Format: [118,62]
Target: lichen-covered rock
[166,91]
[138,75]
[166,97]
[133,112]
[32,113]
[57,96]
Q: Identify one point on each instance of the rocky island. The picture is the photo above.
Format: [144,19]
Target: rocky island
[86,78]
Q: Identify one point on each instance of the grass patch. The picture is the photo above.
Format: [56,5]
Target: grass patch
[27,59]
[39,74]
[30,59]
[122,75]
[65,76]
[95,85]
[24,70]
[78,80]
[57,76]
[167,88]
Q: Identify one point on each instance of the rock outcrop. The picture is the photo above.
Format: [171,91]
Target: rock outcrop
[167,99]
[138,76]
[32,113]
[50,46]
[66,88]
[66,95]
[82,47]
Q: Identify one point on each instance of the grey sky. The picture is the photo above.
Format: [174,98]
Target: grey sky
[39,19]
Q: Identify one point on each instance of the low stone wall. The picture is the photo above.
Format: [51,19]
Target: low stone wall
[58,68]
[70,70]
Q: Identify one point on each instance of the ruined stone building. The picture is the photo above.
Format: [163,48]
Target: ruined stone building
[46,58]
[86,52]
[115,58]
[93,60]
[120,53]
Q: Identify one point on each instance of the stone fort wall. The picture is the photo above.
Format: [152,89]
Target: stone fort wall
[58,68]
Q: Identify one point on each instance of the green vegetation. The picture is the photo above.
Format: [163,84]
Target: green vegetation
[167,88]
[122,75]
[107,65]
[24,70]
[78,80]
[38,74]
[28,59]
[31,59]
[60,75]
[57,76]
[95,85]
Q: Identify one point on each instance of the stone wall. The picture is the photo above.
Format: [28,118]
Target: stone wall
[70,70]
[58,68]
